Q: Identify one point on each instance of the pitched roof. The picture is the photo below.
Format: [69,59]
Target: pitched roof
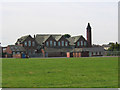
[92,49]
[74,39]
[21,39]
[16,48]
[41,38]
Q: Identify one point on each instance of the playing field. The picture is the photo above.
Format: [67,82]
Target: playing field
[94,72]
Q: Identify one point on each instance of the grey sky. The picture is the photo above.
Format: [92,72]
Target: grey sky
[22,18]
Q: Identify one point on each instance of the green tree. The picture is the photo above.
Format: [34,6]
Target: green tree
[67,35]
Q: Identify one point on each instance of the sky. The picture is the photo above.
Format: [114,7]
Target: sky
[59,17]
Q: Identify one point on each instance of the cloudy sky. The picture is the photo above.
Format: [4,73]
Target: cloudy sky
[23,18]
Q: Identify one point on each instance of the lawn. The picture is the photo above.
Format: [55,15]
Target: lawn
[92,72]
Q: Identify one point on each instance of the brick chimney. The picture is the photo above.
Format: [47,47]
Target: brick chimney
[89,35]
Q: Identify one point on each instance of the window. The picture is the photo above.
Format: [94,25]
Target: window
[78,43]
[59,43]
[54,43]
[13,53]
[99,53]
[25,43]
[29,43]
[62,43]
[47,43]
[18,52]
[50,43]
[33,43]
[81,43]
[66,43]
[84,43]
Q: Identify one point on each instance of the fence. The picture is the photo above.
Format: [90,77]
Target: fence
[112,53]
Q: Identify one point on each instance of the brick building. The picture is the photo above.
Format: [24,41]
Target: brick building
[57,45]
[15,51]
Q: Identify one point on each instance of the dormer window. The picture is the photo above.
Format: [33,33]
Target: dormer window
[25,43]
[29,43]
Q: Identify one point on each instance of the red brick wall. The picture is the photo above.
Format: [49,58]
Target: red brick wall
[52,39]
[8,50]
[17,56]
[65,40]
[30,48]
[81,39]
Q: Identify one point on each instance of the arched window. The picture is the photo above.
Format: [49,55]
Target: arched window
[25,43]
[29,43]
[59,43]
[66,43]
[33,43]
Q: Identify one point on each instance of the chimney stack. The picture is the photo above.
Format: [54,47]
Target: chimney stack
[89,35]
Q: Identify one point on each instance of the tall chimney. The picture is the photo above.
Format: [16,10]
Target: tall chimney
[89,35]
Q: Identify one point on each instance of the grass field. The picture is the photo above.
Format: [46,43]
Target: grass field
[95,72]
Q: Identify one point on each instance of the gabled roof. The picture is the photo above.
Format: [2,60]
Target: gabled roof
[16,48]
[57,37]
[41,38]
[74,39]
[21,39]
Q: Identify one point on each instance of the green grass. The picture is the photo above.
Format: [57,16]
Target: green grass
[98,72]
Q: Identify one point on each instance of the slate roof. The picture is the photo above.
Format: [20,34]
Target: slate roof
[16,48]
[74,39]
[91,49]
[21,39]
[41,38]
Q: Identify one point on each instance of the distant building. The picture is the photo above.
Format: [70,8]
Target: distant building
[106,46]
[56,45]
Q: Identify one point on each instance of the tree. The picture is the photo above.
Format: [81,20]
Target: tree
[67,35]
